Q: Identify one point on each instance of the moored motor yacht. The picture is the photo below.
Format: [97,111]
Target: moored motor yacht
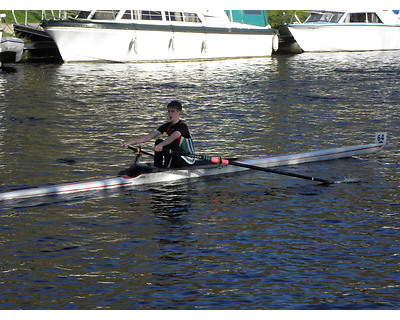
[348,31]
[146,35]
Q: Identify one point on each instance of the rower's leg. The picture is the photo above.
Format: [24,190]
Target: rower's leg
[158,156]
[177,160]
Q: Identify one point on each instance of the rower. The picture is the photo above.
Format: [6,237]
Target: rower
[179,140]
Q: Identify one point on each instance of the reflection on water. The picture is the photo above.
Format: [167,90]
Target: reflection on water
[246,241]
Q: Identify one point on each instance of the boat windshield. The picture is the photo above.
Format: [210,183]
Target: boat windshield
[324,17]
[105,15]
[98,15]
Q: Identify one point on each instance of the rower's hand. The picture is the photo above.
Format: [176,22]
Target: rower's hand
[158,148]
[128,146]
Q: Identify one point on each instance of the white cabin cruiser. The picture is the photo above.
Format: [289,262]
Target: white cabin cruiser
[145,35]
[348,31]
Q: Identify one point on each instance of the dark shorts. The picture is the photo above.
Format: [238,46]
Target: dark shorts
[168,159]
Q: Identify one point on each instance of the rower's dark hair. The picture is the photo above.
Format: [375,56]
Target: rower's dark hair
[175,104]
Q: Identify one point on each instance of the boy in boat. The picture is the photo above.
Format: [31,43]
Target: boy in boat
[179,139]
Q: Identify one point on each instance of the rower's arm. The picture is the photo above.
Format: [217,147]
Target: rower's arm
[143,139]
[170,139]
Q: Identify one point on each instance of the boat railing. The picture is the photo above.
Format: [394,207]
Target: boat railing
[295,19]
[29,22]
[42,15]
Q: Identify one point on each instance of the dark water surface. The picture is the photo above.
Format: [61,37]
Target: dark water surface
[248,241]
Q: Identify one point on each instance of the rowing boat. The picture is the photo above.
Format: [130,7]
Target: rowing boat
[149,175]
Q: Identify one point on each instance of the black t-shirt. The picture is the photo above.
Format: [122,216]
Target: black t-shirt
[180,126]
[184,141]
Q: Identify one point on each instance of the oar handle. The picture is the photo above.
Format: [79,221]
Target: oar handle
[138,150]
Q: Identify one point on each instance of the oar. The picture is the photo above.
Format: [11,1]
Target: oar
[219,160]
[139,150]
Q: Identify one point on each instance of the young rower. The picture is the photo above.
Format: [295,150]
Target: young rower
[179,139]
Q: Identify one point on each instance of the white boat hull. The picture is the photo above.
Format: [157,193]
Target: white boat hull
[168,175]
[119,45]
[346,37]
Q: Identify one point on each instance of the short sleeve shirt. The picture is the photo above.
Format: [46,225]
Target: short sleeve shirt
[184,141]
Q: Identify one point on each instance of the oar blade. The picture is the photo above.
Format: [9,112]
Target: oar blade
[347,181]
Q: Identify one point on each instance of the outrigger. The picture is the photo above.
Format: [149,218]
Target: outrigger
[207,166]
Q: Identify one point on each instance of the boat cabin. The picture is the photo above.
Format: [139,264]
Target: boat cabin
[249,17]
[148,15]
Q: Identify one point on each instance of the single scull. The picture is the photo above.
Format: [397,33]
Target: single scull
[148,174]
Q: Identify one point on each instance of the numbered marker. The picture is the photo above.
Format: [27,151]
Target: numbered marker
[380,137]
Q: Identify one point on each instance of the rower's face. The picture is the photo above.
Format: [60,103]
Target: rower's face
[174,115]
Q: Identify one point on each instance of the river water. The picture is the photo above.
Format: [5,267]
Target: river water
[252,240]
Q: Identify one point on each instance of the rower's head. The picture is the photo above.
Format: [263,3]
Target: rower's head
[174,111]
[176,105]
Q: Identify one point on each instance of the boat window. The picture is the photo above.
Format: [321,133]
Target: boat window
[182,16]
[191,17]
[357,17]
[151,15]
[364,17]
[127,15]
[336,17]
[105,15]
[174,16]
[83,15]
[256,12]
[373,18]
[313,17]
[325,17]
